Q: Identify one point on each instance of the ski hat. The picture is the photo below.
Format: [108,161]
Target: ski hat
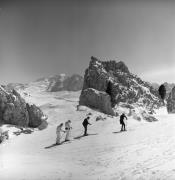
[69,121]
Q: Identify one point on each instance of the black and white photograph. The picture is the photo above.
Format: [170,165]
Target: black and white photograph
[87,90]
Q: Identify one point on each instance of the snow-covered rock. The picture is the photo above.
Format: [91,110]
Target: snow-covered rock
[14,110]
[148,117]
[115,79]
[97,99]
[35,116]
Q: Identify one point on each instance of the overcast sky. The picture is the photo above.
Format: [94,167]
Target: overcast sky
[43,38]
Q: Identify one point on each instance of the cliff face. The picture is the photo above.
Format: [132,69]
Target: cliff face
[14,110]
[171,101]
[113,82]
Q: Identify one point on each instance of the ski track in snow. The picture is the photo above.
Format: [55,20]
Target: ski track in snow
[145,151]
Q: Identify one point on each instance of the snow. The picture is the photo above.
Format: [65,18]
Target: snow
[145,151]
[4,90]
[62,77]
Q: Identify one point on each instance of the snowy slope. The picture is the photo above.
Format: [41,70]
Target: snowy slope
[145,151]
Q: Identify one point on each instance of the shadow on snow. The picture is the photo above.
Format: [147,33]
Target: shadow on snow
[79,137]
[66,142]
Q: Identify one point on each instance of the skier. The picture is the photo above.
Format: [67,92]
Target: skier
[122,122]
[85,124]
[58,132]
[68,130]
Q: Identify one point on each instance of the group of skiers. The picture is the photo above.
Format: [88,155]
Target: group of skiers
[68,128]
[67,131]
[85,124]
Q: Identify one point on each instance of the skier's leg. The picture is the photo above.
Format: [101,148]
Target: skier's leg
[122,127]
[85,130]
[67,135]
[58,139]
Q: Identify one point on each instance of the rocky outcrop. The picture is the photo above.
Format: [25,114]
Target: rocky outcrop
[114,79]
[168,86]
[35,115]
[97,99]
[14,110]
[148,117]
[171,101]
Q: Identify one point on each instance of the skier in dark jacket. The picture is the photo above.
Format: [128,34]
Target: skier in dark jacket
[122,122]
[85,124]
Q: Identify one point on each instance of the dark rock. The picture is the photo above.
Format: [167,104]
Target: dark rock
[171,101]
[12,108]
[35,115]
[100,118]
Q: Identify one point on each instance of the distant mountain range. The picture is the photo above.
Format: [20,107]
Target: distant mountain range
[62,82]
[54,83]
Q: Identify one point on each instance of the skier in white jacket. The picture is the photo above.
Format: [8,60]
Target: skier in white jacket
[68,130]
[58,132]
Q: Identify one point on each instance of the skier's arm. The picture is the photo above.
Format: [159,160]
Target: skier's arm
[89,123]
[63,131]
